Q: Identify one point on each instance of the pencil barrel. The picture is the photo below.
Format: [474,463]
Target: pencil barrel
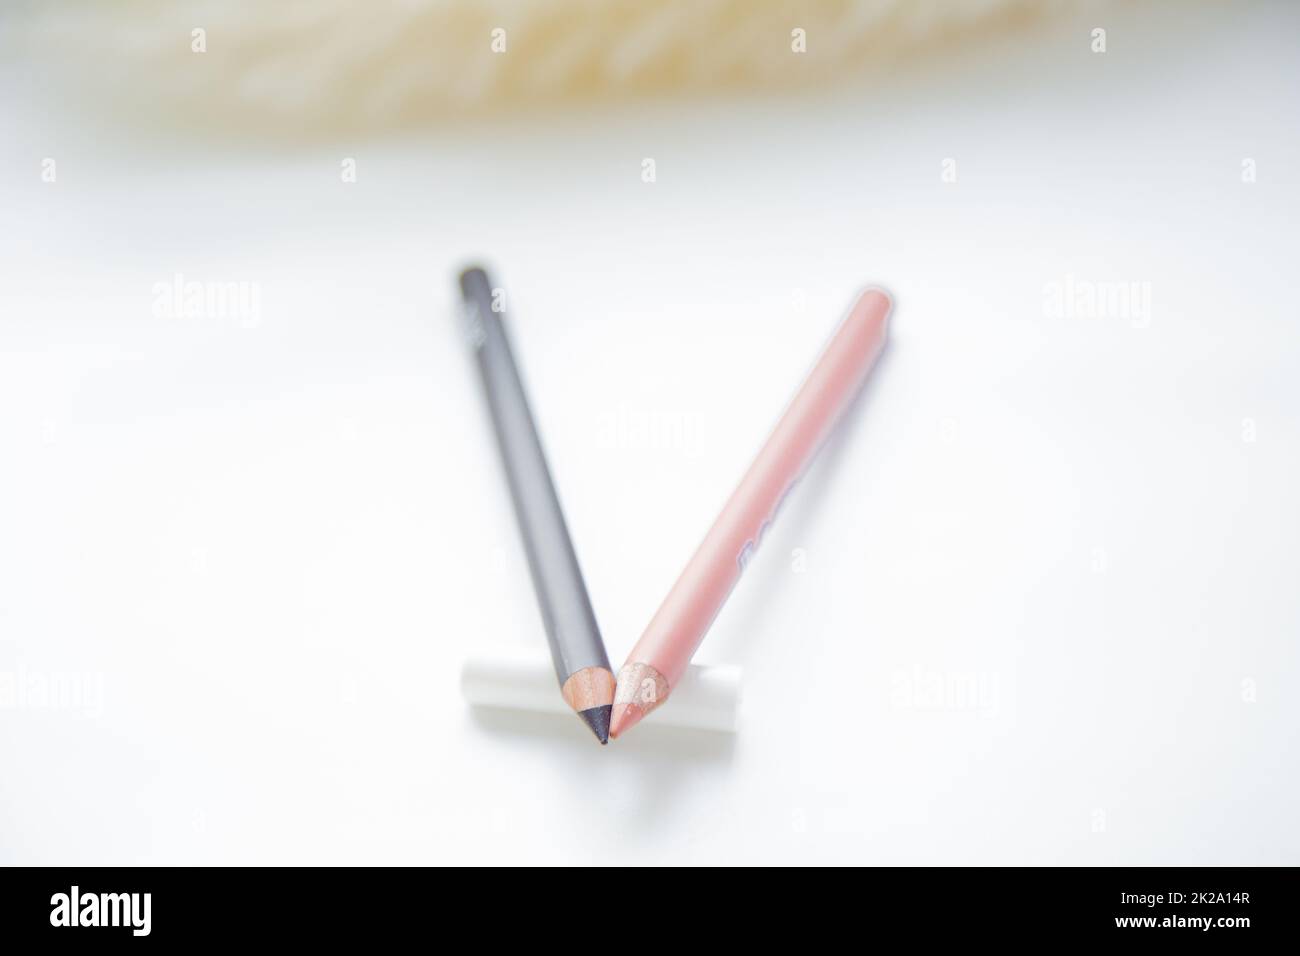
[688,611]
[567,615]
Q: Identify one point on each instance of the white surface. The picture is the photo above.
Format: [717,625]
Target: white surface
[1007,618]
[523,679]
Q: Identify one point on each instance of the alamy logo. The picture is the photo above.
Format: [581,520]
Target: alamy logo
[101,909]
[1085,299]
[182,299]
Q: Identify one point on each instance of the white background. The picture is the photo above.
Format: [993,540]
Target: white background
[1044,605]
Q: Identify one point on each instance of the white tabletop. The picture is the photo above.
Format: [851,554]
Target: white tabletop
[1036,603]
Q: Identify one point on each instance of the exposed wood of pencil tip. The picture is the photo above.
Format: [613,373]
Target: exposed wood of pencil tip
[590,692]
[640,690]
[589,687]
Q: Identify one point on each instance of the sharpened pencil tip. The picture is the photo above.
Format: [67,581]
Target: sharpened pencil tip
[640,690]
[597,718]
[626,716]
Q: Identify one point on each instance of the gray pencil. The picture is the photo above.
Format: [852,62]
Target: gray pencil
[586,681]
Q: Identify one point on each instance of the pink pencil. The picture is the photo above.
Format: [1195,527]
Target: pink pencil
[668,644]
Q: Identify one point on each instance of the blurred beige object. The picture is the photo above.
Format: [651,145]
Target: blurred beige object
[326,64]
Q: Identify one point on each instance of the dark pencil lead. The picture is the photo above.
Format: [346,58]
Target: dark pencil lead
[597,718]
